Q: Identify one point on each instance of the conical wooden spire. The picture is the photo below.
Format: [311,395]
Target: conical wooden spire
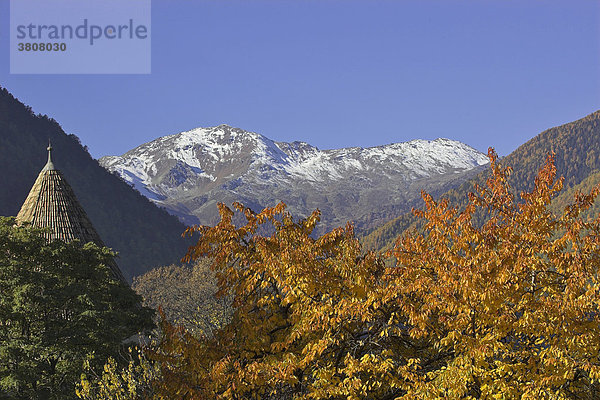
[52,204]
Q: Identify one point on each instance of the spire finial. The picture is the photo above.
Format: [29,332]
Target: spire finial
[49,165]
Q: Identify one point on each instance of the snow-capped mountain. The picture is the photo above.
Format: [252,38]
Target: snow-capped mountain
[189,172]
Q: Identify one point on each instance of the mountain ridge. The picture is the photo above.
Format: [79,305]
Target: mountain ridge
[190,171]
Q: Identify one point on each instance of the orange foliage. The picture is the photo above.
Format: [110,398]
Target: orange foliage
[507,309]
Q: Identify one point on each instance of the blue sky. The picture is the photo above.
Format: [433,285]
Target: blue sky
[339,73]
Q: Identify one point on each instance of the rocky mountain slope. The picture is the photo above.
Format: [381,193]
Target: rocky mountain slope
[189,172]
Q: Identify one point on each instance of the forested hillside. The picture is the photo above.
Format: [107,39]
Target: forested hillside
[577,148]
[143,235]
[585,186]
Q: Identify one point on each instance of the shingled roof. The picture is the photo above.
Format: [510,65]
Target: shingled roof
[52,204]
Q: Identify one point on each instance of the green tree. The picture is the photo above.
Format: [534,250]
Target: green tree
[59,306]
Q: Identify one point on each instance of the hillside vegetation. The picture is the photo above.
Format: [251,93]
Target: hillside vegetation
[143,235]
[577,148]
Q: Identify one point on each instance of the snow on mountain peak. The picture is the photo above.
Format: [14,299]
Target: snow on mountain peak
[204,148]
[222,161]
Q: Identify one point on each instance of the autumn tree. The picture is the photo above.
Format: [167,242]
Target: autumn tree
[133,381]
[507,308]
[514,303]
[308,319]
